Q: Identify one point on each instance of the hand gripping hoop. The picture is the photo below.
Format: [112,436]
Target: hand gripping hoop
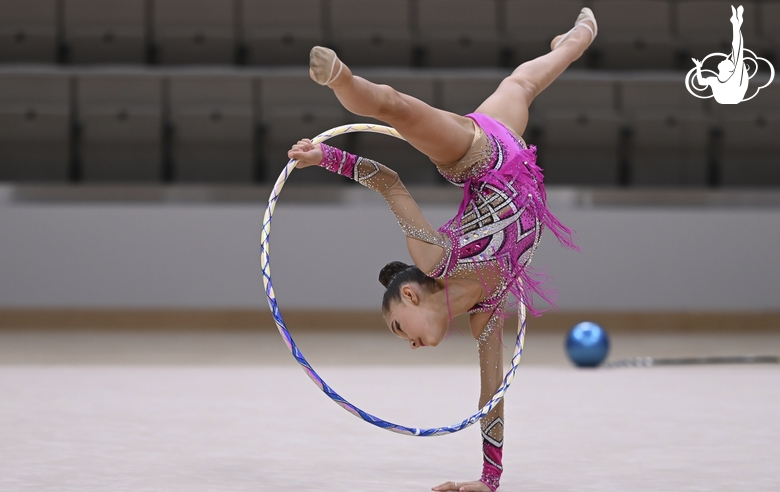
[265,262]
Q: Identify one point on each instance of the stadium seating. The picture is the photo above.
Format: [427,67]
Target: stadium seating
[28,31]
[750,146]
[34,126]
[212,123]
[281,32]
[105,31]
[372,32]
[657,34]
[580,131]
[293,107]
[195,31]
[669,130]
[530,26]
[768,20]
[750,150]
[93,90]
[463,93]
[633,34]
[120,115]
[456,33]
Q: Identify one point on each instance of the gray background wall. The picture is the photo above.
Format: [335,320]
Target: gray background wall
[328,255]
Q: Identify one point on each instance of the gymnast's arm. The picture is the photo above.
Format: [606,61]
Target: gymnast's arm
[426,245]
[487,327]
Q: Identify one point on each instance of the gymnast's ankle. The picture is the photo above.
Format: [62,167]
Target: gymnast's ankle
[586,21]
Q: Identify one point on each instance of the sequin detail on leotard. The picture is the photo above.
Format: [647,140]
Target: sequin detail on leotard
[500,221]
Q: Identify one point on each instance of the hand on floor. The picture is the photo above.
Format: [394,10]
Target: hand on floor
[463,487]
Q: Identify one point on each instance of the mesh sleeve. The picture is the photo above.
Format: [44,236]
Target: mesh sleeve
[385,181]
[492,374]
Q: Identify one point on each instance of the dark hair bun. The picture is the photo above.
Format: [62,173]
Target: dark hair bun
[391,270]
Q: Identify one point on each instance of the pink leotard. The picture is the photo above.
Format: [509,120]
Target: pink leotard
[501,216]
[494,234]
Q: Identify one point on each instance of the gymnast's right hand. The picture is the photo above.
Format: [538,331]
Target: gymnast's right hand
[306,152]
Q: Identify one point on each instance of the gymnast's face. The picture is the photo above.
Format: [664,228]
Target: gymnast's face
[415,318]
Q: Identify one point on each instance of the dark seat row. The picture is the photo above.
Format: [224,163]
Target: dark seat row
[235,125]
[436,33]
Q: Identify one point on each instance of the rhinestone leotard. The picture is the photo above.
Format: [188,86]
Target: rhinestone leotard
[502,215]
[494,235]
[500,219]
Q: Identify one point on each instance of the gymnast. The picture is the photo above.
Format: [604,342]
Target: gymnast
[472,263]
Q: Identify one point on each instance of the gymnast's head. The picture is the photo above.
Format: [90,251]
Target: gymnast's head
[409,306]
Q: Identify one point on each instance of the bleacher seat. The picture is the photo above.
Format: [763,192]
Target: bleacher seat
[705,26]
[213,128]
[580,131]
[669,149]
[121,120]
[633,34]
[532,24]
[750,145]
[463,94]
[195,31]
[580,147]
[413,166]
[293,107]
[769,20]
[34,126]
[587,93]
[372,32]
[111,31]
[750,150]
[456,33]
[281,32]
[670,132]
[28,31]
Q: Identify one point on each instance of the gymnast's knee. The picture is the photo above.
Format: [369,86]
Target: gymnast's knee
[523,89]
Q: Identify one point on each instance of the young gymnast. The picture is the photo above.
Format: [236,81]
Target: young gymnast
[472,263]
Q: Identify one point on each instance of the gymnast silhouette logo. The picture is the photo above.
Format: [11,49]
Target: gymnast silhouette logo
[730,84]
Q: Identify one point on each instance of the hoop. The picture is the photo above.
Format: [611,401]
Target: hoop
[265,262]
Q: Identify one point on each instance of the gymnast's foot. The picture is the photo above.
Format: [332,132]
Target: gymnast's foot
[325,68]
[587,21]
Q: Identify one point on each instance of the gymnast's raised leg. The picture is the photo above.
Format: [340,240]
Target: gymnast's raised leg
[443,136]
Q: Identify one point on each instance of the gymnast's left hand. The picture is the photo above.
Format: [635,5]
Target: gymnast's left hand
[307,153]
[463,487]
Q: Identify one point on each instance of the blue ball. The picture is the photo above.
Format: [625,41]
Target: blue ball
[587,344]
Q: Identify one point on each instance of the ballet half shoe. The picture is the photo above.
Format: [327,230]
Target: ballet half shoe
[322,62]
[585,15]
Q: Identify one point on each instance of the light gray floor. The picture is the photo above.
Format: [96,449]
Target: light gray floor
[176,411]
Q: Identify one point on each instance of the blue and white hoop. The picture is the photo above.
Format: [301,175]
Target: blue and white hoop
[265,261]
